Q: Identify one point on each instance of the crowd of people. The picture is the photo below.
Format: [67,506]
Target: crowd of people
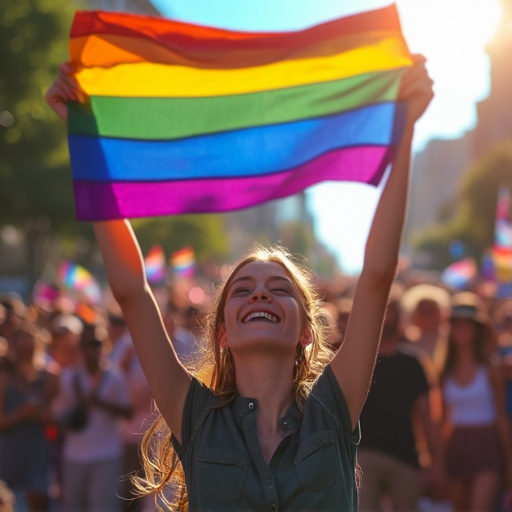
[436,428]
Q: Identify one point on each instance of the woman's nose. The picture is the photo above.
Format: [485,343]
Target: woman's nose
[260,293]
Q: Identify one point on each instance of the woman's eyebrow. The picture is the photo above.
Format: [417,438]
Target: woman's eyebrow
[280,278]
[238,279]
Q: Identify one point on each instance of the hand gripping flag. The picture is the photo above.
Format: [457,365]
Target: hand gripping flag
[184,118]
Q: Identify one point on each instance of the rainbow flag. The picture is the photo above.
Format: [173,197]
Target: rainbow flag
[79,281]
[459,274]
[502,260]
[184,118]
[183,262]
[155,266]
[503,223]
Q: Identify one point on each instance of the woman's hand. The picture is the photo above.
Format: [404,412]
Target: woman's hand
[65,88]
[416,89]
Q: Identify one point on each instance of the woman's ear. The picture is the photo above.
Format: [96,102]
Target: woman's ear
[223,336]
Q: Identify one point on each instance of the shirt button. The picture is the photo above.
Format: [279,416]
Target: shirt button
[273,507]
[251,405]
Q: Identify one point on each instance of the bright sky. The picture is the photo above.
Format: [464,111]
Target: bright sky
[452,35]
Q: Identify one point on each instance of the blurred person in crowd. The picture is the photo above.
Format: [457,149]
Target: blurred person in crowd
[427,307]
[121,349]
[13,312]
[183,341]
[328,318]
[26,396]
[478,446]
[502,318]
[400,392]
[7,498]
[94,398]
[343,307]
[503,324]
[192,319]
[63,350]
[123,355]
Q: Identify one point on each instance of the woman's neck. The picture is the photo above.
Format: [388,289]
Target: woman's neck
[270,382]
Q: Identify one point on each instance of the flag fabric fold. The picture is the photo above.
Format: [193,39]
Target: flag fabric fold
[183,118]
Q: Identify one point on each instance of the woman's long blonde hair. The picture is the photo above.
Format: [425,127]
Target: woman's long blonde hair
[214,366]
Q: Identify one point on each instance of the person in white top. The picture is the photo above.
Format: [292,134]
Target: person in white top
[478,449]
[93,443]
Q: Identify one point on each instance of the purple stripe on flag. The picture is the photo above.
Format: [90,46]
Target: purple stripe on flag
[101,201]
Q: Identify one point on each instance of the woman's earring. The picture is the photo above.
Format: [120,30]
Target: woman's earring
[304,340]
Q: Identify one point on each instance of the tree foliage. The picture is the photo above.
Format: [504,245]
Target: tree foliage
[35,179]
[34,176]
[473,212]
[204,233]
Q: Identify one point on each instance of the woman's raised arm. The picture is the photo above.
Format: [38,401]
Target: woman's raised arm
[124,264]
[353,364]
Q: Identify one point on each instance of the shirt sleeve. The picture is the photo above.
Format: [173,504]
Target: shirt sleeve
[199,397]
[329,390]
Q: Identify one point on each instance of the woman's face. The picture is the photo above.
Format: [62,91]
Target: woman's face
[463,331]
[262,310]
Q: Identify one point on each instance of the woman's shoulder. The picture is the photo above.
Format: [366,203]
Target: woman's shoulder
[328,395]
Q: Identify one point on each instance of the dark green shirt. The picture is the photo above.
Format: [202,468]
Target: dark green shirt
[312,469]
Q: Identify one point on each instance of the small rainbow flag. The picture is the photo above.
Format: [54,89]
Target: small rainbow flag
[184,118]
[183,262]
[502,260]
[503,224]
[79,281]
[154,263]
[460,273]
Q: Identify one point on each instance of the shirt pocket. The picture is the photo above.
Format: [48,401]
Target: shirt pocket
[221,474]
[317,461]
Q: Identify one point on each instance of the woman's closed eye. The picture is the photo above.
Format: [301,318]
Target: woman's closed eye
[240,291]
[281,291]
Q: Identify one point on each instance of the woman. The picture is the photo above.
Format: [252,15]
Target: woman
[261,434]
[478,443]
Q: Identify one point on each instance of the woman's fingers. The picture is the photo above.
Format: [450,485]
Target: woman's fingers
[416,88]
[65,88]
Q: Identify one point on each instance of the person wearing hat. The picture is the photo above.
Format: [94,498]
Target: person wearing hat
[66,330]
[477,449]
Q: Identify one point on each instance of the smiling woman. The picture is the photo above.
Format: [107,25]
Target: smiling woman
[274,426]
